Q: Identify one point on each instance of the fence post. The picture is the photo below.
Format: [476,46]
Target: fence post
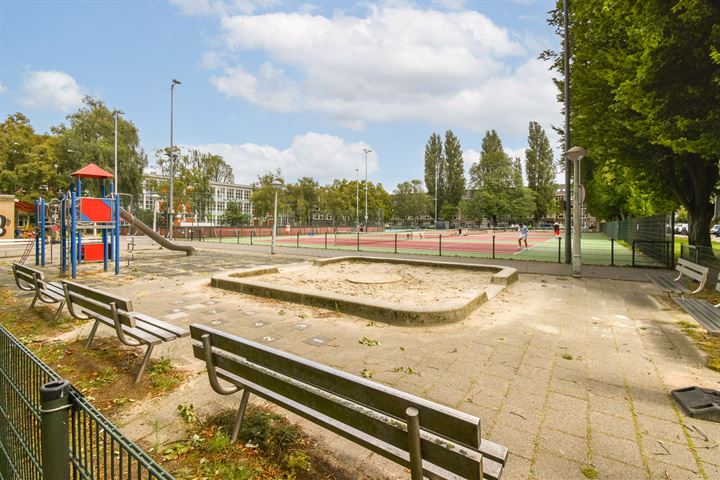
[358,241]
[633,253]
[412,416]
[697,255]
[55,441]
[252,234]
[559,249]
[612,252]
[297,243]
[238,237]
[440,244]
[493,244]
[396,243]
[325,240]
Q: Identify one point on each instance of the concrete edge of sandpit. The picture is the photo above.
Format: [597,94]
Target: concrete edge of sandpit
[503,275]
[389,312]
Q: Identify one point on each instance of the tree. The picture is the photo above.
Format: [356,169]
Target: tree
[263,196]
[455,183]
[89,137]
[540,170]
[435,169]
[645,97]
[234,215]
[303,197]
[410,200]
[497,179]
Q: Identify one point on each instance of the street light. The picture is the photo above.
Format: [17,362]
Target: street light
[357,198]
[575,154]
[277,185]
[115,183]
[366,150]
[437,175]
[171,210]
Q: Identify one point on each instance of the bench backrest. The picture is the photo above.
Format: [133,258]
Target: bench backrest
[26,277]
[450,438]
[692,270]
[97,304]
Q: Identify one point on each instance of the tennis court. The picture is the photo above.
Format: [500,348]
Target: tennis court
[597,248]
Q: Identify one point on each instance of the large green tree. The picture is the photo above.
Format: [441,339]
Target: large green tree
[89,137]
[455,183]
[410,200]
[435,169]
[645,97]
[540,170]
[303,198]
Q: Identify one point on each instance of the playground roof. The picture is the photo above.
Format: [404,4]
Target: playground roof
[92,171]
[24,206]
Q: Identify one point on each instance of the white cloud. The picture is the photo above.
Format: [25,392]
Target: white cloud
[3,88]
[321,156]
[450,4]
[399,63]
[50,90]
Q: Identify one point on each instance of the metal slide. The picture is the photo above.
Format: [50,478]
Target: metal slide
[159,239]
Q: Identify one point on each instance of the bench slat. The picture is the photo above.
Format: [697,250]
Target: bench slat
[464,429]
[173,329]
[667,284]
[99,296]
[703,312]
[461,461]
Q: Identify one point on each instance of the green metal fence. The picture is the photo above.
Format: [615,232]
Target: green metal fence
[48,430]
[649,240]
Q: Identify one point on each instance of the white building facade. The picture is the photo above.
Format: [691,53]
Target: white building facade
[222,195]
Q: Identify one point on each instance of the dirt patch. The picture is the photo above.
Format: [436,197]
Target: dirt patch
[412,284]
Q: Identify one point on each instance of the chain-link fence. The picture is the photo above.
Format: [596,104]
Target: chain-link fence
[644,242]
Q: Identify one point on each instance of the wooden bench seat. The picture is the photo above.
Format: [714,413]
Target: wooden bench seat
[704,312]
[685,268]
[30,279]
[428,438]
[132,328]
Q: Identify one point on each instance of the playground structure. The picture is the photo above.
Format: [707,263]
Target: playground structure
[76,217]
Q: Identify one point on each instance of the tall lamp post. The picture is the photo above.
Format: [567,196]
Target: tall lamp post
[575,154]
[437,175]
[566,69]
[171,209]
[357,198]
[277,185]
[115,183]
[155,197]
[366,150]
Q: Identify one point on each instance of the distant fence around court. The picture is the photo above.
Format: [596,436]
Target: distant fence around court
[48,430]
[650,239]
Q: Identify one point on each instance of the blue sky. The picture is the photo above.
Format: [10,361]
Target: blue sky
[299,85]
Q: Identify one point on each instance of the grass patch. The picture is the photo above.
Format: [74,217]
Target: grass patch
[104,373]
[590,472]
[268,447]
[707,343]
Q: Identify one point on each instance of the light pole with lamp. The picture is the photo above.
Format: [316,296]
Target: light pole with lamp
[357,198]
[277,185]
[366,150]
[115,182]
[575,154]
[171,210]
[437,175]
[155,197]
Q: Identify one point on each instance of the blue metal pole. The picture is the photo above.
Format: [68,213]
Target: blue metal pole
[63,235]
[42,232]
[116,241]
[37,225]
[73,232]
[79,233]
[104,233]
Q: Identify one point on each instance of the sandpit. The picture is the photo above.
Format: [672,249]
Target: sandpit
[410,292]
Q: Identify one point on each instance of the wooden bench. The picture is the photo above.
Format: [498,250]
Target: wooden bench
[88,303]
[424,436]
[687,269]
[29,279]
[704,312]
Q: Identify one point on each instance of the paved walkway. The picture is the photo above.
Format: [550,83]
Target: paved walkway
[566,372]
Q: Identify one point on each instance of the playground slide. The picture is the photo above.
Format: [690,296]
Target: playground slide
[159,239]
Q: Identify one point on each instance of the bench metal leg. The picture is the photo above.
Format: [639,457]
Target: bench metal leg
[35,299]
[240,415]
[92,334]
[57,314]
[146,358]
